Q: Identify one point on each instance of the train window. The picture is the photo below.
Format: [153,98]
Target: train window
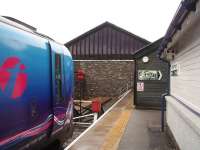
[58,77]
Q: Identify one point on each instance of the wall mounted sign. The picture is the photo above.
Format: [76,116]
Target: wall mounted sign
[149,75]
[140,86]
[175,69]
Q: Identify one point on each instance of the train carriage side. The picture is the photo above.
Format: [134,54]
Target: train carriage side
[28,109]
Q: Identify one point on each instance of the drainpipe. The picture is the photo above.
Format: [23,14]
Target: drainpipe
[163,101]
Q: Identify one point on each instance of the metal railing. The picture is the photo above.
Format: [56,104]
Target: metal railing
[94,115]
[87,117]
[124,89]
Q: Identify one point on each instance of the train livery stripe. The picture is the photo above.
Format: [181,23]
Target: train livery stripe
[28,133]
[33,131]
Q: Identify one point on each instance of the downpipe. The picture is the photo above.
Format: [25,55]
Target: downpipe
[163,101]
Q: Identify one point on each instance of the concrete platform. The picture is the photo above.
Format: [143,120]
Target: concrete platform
[124,128]
[143,132]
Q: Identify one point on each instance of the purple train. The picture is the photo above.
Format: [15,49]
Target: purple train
[36,87]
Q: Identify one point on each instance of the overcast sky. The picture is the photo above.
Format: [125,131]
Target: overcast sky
[64,20]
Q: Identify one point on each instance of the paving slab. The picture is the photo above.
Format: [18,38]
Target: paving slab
[143,132]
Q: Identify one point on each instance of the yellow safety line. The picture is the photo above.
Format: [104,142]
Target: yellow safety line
[113,137]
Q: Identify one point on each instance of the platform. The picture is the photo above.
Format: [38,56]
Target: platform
[123,127]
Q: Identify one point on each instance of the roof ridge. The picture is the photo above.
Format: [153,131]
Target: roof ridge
[106,23]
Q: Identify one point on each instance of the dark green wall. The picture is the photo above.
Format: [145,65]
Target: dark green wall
[153,89]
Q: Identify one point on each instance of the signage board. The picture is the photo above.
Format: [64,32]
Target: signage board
[140,86]
[175,69]
[149,75]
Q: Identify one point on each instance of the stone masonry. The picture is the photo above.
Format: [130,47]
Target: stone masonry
[105,78]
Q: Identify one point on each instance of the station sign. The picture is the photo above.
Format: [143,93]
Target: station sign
[149,75]
[140,86]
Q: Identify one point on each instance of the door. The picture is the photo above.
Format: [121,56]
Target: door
[58,87]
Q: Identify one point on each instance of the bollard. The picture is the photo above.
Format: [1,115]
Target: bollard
[95,117]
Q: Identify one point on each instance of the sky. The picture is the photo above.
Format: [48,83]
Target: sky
[64,20]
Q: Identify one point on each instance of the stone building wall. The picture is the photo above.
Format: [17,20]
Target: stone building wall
[105,78]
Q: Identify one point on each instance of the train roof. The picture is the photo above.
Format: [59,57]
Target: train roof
[23,26]
[16,23]
[21,23]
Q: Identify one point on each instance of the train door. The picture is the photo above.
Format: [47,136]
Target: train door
[58,87]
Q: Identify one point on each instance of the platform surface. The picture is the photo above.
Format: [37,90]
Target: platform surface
[143,132]
[125,128]
[107,132]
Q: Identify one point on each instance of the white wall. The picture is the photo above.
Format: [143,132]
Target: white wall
[186,85]
[184,125]
[183,106]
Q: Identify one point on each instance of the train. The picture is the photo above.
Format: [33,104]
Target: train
[36,88]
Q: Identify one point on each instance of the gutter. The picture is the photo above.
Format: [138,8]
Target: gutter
[185,7]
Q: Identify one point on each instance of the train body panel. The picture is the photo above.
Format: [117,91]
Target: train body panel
[61,79]
[36,81]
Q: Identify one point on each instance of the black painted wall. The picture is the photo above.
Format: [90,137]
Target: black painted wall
[153,89]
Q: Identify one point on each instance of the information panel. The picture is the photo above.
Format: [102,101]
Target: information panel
[149,75]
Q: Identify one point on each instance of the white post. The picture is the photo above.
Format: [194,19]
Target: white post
[95,117]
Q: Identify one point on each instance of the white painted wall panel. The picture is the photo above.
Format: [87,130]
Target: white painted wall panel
[187,84]
[183,106]
[181,122]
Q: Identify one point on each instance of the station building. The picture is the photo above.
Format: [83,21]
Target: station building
[105,55]
[113,61]
[181,47]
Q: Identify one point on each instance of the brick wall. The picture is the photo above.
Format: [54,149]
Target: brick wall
[105,78]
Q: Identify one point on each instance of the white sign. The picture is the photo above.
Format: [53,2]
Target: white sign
[140,86]
[149,75]
[175,69]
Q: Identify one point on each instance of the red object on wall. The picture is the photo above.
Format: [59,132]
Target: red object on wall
[96,106]
[80,75]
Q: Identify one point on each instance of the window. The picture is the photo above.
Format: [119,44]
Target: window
[58,77]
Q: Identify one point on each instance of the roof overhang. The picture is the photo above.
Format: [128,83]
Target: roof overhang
[185,7]
[147,49]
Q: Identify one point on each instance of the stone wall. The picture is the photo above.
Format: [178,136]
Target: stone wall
[105,78]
